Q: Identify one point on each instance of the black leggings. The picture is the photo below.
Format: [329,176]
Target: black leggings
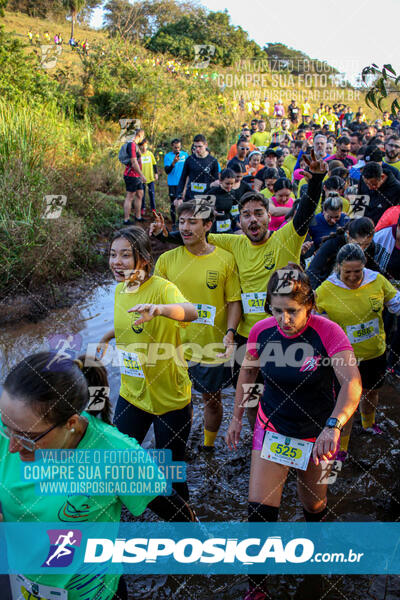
[171,431]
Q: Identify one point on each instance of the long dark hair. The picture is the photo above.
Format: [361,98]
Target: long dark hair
[140,244]
[57,386]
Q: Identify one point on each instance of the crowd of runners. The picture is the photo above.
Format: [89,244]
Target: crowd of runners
[282,282]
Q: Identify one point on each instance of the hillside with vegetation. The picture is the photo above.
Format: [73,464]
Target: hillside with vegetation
[59,124]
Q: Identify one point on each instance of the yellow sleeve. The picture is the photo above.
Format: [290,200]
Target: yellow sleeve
[172,295]
[252,140]
[287,171]
[232,286]
[223,240]
[346,205]
[160,268]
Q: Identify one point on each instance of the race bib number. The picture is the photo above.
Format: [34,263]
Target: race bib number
[253,302]
[363,331]
[287,451]
[24,589]
[206,314]
[129,364]
[223,225]
[262,148]
[235,210]
[198,187]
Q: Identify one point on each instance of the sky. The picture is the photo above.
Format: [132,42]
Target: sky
[347,36]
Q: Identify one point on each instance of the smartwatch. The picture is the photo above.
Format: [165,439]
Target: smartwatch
[231,329]
[332,422]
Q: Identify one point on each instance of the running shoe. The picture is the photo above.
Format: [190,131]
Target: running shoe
[254,594]
[375,430]
[128,222]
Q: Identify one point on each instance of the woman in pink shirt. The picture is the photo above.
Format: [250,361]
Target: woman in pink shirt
[280,203]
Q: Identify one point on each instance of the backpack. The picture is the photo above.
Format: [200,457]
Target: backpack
[125,154]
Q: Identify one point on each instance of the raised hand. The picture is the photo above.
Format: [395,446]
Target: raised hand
[158,225]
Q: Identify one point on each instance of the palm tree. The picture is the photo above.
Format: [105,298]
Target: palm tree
[74,7]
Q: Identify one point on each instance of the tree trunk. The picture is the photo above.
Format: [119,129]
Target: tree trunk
[73,17]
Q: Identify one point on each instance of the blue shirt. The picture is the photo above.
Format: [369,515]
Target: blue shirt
[175,175]
[319,228]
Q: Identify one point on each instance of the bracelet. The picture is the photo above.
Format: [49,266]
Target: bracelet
[231,329]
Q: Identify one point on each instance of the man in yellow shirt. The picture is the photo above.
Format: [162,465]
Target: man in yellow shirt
[208,277]
[392,151]
[291,159]
[261,138]
[305,109]
[258,253]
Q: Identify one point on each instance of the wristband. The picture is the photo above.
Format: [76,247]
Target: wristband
[231,329]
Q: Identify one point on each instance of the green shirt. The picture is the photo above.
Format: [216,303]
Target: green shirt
[20,502]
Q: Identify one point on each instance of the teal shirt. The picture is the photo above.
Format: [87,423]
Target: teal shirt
[20,502]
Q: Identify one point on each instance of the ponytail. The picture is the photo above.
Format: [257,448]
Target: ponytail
[56,387]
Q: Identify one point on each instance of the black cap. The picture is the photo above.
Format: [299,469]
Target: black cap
[373,154]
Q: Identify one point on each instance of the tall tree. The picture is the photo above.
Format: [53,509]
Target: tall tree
[74,7]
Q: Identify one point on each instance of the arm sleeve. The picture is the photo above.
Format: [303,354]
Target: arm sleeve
[155,168]
[308,204]
[185,173]
[320,264]
[252,345]
[232,285]
[168,164]
[153,160]
[333,337]
[223,240]
[173,237]
[215,170]
[159,268]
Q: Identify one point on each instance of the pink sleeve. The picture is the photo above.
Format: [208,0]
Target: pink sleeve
[332,336]
[251,347]
[252,340]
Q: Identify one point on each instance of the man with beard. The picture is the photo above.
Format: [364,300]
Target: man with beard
[392,150]
[259,252]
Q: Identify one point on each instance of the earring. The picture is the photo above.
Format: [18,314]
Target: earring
[72,430]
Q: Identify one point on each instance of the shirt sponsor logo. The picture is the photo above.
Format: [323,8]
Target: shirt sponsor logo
[212,278]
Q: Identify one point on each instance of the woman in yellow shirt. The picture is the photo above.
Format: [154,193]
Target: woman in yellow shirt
[149,312]
[354,297]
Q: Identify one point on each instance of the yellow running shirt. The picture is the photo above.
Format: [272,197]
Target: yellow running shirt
[209,282]
[396,164]
[148,161]
[290,163]
[359,311]
[261,139]
[148,381]
[256,263]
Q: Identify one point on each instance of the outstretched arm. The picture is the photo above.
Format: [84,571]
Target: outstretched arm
[309,202]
